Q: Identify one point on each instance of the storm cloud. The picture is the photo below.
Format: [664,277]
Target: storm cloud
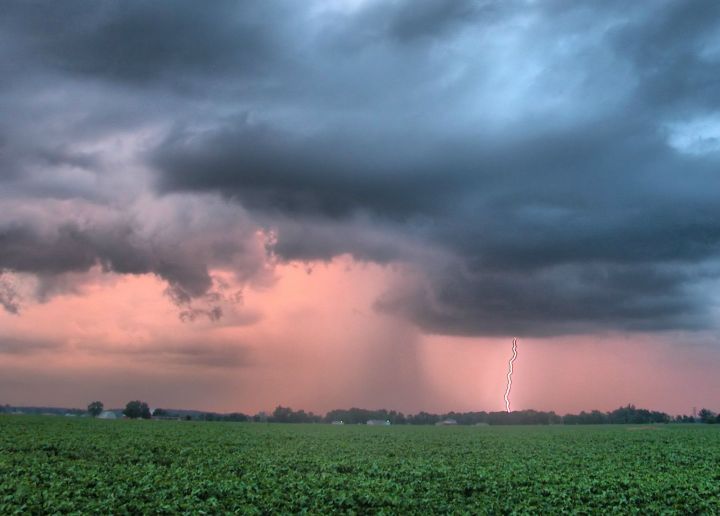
[534,168]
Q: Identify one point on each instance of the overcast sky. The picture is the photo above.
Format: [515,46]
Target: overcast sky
[235,204]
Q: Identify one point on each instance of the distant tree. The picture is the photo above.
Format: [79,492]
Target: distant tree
[423,418]
[235,416]
[137,409]
[95,408]
[158,412]
[631,414]
[707,416]
[287,415]
[281,414]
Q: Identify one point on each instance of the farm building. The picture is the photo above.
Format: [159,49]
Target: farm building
[446,422]
[107,414]
[378,422]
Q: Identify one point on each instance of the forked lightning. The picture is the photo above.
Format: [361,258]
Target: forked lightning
[509,375]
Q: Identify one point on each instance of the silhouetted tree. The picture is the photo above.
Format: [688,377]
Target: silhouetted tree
[423,418]
[281,414]
[287,415]
[684,419]
[707,416]
[137,409]
[95,408]
[633,415]
[235,416]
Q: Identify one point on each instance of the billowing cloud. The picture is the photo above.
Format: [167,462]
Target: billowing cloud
[176,239]
[532,168]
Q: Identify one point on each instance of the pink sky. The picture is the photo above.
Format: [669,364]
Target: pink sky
[311,339]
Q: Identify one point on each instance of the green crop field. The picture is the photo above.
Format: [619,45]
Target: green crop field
[57,464]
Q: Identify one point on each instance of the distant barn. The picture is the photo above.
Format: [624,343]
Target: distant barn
[378,422]
[107,414]
[446,422]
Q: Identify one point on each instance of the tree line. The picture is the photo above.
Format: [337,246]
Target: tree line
[135,409]
[623,415]
[628,414]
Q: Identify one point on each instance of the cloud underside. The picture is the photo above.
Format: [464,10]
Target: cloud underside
[536,169]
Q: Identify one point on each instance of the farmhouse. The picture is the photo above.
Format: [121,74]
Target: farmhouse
[378,422]
[446,422]
[107,414]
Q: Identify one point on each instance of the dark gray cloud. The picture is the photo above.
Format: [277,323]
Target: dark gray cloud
[69,248]
[542,167]
[561,299]
[9,298]
[407,21]
[141,42]
[675,54]
[328,175]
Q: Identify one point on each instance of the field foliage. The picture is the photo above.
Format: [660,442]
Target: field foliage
[56,464]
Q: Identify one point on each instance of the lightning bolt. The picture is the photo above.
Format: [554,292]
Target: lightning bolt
[509,375]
